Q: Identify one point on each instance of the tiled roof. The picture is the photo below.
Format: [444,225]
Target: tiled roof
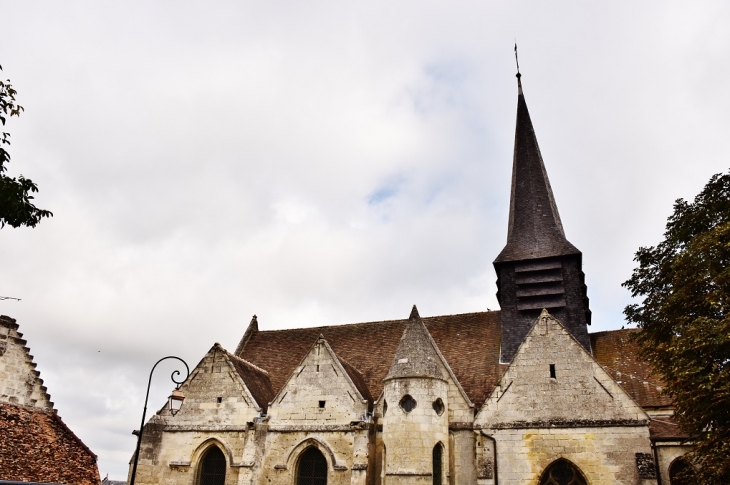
[256,379]
[357,379]
[666,428]
[619,355]
[469,342]
[37,446]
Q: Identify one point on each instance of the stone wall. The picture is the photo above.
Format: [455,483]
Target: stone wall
[667,452]
[409,436]
[605,455]
[218,409]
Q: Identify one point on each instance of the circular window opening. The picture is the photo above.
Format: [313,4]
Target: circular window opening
[408,404]
[438,406]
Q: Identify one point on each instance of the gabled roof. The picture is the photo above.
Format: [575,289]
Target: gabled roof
[577,387]
[619,355]
[353,376]
[37,446]
[256,379]
[416,355]
[469,343]
[666,428]
[535,230]
[357,379]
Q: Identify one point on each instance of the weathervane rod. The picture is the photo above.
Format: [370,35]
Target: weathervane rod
[519,81]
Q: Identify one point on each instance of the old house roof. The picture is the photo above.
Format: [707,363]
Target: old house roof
[535,230]
[666,428]
[619,355]
[469,342]
[37,446]
[256,379]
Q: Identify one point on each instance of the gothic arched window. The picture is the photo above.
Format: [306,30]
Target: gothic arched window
[562,472]
[213,467]
[312,468]
[438,452]
[679,466]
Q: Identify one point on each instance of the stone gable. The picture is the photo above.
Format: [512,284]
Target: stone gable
[319,391]
[20,382]
[552,379]
[215,394]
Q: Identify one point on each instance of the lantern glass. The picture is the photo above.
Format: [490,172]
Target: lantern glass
[176,399]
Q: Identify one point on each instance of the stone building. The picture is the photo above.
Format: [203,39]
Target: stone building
[524,395]
[35,444]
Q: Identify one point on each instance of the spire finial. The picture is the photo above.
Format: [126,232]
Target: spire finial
[519,81]
[414,314]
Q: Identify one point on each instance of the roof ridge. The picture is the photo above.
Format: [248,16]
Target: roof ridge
[376,322]
[244,361]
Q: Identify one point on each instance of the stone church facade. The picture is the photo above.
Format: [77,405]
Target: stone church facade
[524,395]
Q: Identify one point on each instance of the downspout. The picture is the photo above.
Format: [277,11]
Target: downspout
[656,463]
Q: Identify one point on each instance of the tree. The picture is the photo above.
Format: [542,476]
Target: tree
[16,203]
[685,320]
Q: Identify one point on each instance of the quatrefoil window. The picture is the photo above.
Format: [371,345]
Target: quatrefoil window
[407,403]
[438,406]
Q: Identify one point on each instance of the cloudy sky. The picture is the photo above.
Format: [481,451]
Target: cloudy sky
[323,163]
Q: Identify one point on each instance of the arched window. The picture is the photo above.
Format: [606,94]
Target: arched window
[312,468]
[438,452]
[562,472]
[678,467]
[213,467]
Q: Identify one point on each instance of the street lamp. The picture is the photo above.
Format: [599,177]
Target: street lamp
[174,402]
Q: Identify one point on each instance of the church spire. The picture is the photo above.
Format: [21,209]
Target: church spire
[538,268]
[535,230]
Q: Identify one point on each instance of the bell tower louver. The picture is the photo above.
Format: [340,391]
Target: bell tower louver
[538,268]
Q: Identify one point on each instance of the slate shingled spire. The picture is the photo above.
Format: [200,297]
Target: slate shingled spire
[416,355]
[535,229]
[538,267]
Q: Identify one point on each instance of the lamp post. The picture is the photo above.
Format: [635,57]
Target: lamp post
[174,401]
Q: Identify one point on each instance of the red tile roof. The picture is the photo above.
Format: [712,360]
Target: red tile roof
[469,342]
[619,355]
[256,379]
[666,428]
[37,446]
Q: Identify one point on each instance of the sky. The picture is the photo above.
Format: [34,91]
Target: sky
[319,163]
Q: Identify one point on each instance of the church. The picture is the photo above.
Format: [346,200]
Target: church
[522,395]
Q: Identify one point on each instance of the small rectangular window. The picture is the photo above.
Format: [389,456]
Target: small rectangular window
[220,400]
[321,404]
[552,371]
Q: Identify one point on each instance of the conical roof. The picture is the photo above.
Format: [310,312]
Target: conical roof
[416,355]
[535,230]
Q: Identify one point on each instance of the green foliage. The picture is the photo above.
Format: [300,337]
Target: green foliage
[16,206]
[685,317]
